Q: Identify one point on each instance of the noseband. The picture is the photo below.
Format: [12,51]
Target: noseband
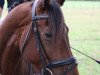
[46,67]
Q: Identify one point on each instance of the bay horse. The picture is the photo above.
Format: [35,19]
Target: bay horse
[34,41]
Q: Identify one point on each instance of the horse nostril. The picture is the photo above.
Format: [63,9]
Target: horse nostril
[48,35]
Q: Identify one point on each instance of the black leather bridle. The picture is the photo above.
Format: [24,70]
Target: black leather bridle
[46,67]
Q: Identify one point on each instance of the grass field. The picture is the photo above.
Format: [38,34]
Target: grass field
[83,20]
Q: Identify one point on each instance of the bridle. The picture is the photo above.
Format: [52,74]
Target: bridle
[46,67]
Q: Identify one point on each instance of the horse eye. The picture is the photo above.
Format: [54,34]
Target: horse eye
[48,35]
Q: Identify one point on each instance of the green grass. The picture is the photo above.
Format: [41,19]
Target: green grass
[83,20]
[82,4]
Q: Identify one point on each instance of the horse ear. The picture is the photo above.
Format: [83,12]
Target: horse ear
[46,3]
[61,2]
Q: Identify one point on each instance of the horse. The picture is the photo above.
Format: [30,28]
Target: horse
[34,40]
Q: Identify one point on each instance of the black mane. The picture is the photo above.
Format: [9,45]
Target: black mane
[57,21]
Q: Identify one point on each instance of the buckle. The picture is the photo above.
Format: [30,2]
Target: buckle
[46,71]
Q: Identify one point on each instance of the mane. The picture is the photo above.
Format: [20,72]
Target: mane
[57,21]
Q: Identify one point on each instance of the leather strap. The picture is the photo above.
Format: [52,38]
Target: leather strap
[33,8]
[40,46]
[67,61]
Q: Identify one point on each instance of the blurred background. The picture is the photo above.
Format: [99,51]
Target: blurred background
[83,19]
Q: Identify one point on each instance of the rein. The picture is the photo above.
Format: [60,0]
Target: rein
[97,61]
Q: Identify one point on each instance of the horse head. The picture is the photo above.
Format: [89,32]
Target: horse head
[48,41]
[43,43]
